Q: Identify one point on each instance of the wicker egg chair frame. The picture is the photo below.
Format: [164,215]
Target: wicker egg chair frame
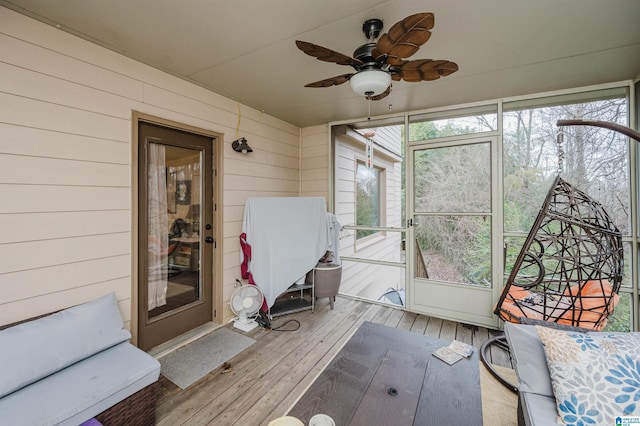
[570,268]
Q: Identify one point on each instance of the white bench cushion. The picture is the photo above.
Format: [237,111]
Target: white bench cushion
[83,390]
[38,348]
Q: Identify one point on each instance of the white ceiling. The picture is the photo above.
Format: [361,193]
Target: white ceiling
[245,49]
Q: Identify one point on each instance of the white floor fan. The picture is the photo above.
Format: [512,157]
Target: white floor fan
[245,302]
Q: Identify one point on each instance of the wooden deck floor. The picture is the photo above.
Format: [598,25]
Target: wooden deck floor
[266,379]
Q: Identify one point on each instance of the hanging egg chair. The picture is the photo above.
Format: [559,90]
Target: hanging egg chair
[570,267]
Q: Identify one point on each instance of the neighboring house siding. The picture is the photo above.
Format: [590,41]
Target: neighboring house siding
[65,165]
[362,279]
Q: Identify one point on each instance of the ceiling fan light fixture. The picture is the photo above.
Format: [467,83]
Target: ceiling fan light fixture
[376,61]
[370,82]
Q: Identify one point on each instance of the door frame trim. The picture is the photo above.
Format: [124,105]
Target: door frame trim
[218,152]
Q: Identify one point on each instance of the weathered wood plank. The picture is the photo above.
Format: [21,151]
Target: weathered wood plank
[464,333]
[407,321]
[434,327]
[420,324]
[448,330]
[394,318]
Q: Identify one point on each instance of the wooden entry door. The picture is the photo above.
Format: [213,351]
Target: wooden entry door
[175,233]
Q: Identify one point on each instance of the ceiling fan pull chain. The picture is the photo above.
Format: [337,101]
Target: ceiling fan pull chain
[368,146]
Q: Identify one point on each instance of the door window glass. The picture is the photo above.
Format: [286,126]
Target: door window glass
[174,199]
[453,179]
[452,222]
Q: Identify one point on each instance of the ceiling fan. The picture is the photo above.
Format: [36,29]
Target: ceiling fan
[377,63]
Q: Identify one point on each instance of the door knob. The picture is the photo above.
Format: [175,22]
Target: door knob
[208,240]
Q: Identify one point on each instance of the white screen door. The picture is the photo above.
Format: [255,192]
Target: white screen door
[452,198]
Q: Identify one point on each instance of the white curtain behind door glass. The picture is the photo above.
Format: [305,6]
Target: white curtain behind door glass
[157,225]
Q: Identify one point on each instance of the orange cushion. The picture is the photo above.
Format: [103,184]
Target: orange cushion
[585,308]
[594,299]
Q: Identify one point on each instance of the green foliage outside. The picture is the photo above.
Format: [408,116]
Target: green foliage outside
[621,318]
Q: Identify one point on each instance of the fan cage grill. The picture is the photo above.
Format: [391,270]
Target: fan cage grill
[241,294]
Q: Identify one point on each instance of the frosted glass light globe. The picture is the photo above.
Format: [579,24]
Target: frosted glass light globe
[370,82]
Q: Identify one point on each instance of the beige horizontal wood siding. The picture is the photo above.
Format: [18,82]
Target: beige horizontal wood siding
[314,169]
[65,165]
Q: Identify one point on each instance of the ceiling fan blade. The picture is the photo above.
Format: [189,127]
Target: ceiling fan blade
[333,81]
[381,95]
[327,55]
[404,38]
[424,70]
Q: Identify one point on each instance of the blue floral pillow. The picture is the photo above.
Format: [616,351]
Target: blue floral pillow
[595,376]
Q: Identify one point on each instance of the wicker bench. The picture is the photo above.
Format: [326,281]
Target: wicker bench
[74,365]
